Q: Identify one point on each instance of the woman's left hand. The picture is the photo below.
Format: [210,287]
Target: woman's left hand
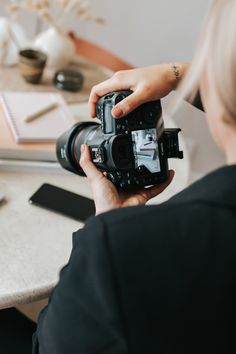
[106,195]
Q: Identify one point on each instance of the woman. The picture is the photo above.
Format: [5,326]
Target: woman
[158,279]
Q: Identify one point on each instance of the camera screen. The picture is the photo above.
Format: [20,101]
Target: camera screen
[145,149]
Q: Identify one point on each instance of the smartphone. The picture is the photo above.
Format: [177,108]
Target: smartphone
[63,202]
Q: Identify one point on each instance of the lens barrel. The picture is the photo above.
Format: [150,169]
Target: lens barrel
[69,144]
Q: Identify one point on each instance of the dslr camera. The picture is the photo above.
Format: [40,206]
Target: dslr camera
[133,150]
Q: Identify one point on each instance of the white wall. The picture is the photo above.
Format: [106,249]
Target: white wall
[28,21]
[147,32]
[142,32]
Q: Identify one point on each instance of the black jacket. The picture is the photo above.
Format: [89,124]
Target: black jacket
[151,279]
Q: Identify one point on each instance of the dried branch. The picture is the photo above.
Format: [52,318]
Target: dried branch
[58,13]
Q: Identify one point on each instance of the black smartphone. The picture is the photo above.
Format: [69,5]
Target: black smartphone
[63,202]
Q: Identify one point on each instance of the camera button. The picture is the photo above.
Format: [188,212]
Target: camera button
[112,178]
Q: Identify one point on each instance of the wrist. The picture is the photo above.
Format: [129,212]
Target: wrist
[175,73]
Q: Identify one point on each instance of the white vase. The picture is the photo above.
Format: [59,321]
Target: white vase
[59,48]
[12,39]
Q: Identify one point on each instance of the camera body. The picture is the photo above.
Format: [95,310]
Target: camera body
[133,151]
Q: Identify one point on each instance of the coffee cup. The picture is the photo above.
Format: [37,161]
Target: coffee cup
[31,65]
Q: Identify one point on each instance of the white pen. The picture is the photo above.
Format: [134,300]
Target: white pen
[40,112]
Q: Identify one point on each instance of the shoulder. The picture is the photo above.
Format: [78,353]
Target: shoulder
[201,209]
[121,228]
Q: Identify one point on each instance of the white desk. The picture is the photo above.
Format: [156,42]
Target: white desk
[36,243]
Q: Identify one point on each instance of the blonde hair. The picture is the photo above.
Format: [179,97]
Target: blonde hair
[217,50]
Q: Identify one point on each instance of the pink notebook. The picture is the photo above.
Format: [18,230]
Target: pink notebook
[47,128]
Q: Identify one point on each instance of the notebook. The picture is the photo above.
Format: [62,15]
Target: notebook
[47,128]
[10,149]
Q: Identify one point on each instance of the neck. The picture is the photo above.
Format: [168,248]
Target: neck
[230,149]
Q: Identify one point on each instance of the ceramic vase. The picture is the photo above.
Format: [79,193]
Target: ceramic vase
[59,48]
[12,39]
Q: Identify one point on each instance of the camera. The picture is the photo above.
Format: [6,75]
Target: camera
[133,150]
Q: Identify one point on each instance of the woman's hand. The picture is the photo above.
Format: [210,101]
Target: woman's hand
[106,196]
[148,84]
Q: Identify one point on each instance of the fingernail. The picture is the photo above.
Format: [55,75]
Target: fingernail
[117,112]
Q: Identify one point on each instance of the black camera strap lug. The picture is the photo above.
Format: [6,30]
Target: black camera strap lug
[169,144]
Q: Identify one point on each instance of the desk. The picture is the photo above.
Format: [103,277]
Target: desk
[11,80]
[36,243]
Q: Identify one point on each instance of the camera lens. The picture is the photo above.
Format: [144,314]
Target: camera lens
[69,144]
[83,137]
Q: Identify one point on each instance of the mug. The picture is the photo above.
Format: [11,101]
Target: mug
[31,64]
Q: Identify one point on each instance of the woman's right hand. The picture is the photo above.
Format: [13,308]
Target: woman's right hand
[148,84]
[107,196]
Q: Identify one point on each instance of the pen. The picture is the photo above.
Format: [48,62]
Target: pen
[40,112]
